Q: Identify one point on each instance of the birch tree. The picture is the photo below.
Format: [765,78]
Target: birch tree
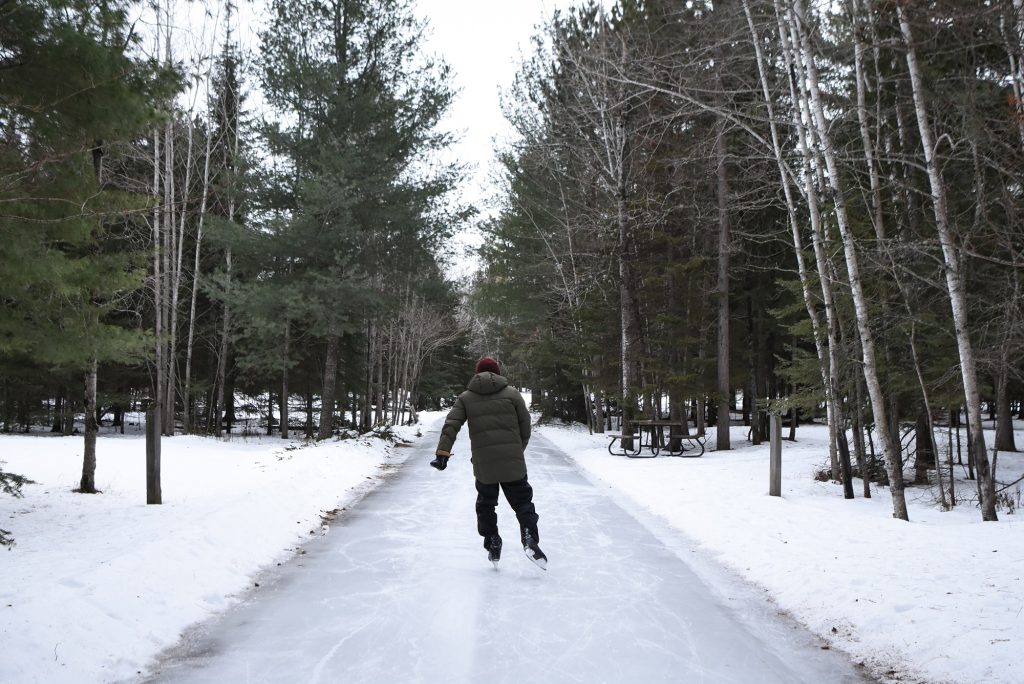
[827,350]
[954,280]
[803,59]
[608,115]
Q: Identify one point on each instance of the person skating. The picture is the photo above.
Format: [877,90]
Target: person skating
[499,430]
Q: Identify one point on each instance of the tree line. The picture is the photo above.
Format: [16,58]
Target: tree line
[816,205]
[165,239]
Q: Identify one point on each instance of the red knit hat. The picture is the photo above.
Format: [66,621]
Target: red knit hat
[488,365]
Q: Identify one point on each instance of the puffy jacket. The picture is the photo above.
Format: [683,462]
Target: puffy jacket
[499,428]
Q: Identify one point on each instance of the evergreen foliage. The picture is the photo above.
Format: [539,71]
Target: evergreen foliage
[10,484]
[676,229]
[69,92]
[352,215]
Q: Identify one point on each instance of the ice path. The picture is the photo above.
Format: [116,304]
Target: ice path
[401,591]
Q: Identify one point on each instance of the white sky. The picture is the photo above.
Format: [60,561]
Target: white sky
[484,42]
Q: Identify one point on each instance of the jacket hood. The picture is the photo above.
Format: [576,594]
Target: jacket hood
[487,383]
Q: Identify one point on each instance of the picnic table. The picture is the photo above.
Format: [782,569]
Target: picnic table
[651,436]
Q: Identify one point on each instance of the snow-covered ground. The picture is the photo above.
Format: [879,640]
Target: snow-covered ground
[939,599]
[402,591]
[98,585]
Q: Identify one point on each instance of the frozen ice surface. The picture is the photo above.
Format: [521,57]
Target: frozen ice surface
[401,591]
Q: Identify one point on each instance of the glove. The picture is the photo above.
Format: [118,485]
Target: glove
[440,462]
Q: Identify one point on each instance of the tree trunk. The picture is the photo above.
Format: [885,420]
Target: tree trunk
[845,469]
[629,316]
[751,402]
[924,446]
[58,412]
[949,457]
[1015,54]
[368,396]
[327,395]
[176,287]
[954,281]
[857,11]
[700,408]
[270,411]
[167,274]
[229,398]
[722,442]
[211,401]
[404,383]
[858,451]
[1004,413]
[158,291]
[284,385]
[309,412]
[88,483]
[1004,416]
[927,452]
[379,386]
[187,387]
[68,413]
[222,362]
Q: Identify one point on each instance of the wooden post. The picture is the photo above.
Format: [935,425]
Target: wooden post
[775,467]
[153,494]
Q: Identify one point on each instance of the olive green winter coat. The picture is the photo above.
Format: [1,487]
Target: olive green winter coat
[499,428]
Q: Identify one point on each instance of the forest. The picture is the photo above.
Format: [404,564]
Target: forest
[166,243]
[808,208]
[713,211]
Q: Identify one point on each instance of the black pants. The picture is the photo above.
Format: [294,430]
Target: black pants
[520,497]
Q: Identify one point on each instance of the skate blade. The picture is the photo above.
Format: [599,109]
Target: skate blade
[495,564]
[541,563]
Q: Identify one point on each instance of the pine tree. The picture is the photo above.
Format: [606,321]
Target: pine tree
[69,93]
[351,206]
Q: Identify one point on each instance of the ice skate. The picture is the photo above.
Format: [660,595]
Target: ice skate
[493,546]
[533,552]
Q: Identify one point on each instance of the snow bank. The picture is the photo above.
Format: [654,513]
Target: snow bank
[96,585]
[939,599]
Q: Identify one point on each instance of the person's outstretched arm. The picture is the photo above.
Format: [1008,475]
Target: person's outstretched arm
[452,424]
